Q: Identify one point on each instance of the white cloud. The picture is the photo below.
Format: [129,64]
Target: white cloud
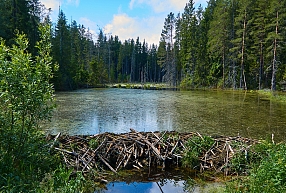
[53,4]
[126,27]
[160,6]
[89,24]
[131,4]
[73,2]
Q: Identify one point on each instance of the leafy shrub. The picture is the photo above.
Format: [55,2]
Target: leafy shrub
[194,149]
[268,173]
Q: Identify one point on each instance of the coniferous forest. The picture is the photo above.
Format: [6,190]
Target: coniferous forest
[236,44]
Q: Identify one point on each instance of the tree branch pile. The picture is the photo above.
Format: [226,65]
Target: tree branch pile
[145,149]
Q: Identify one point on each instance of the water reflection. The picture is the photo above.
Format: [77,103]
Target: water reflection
[169,186]
[208,112]
[148,187]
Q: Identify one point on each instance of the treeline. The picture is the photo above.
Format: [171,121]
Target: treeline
[84,62]
[235,44]
[81,60]
[231,44]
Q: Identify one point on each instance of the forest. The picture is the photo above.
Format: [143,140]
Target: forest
[237,44]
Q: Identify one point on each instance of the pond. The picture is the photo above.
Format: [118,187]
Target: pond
[228,113]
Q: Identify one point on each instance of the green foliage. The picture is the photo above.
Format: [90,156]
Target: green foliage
[187,83]
[242,162]
[273,96]
[64,180]
[268,170]
[269,176]
[93,143]
[26,99]
[194,150]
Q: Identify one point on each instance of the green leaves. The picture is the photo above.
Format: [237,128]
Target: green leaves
[26,99]
[195,148]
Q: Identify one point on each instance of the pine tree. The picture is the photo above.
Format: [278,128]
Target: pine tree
[242,42]
[167,35]
[276,14]
[189,42]
[258,33]
[219,40]
[61,54]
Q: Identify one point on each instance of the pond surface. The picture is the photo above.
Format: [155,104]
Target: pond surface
[228,113]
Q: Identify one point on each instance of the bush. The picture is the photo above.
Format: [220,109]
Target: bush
[268,171]
[194,149]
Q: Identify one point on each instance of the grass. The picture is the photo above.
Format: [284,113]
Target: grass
[273,96]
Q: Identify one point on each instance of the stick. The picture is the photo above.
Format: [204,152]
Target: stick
[150,144]
[66,151]
[55,140]
[107,164]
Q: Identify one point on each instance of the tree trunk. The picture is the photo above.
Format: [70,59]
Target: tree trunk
[242,55]
[273,80]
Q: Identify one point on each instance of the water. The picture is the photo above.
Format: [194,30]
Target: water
[207,112]
[168,186]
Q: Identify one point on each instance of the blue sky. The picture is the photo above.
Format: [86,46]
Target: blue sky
[125,18]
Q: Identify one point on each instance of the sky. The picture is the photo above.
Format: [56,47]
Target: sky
[125,18]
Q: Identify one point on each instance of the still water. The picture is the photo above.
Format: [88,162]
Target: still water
[229,113]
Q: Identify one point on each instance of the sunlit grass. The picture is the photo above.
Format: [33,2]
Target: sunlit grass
[273,96]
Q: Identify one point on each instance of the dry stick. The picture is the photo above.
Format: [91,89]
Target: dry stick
[138,142]
[171,152]
[159,139]
[139,164]
[108,148]
[141,151]
[121,154]
[55,140]
[66,151]
[206,154]
[85,153]
[148,143]
[182,145]
[94,153]
[126,162]
[66,161]
[106,163]
[120,162]
[136,167]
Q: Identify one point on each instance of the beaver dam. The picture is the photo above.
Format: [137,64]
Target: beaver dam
[140,150]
